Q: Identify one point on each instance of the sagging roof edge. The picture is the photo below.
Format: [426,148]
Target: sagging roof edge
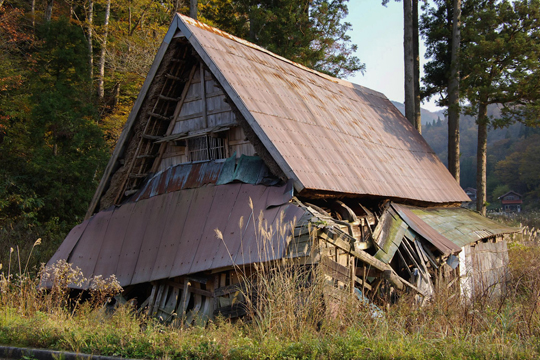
[434,235]
[229,90]
[126,132]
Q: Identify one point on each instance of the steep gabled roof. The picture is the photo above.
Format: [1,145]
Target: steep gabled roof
[326,134]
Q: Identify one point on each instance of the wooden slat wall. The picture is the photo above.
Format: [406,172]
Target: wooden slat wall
[191,118]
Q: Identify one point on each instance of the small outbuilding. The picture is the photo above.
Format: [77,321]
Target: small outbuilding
[284,164]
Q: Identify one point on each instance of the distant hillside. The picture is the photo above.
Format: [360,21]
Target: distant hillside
[427,116]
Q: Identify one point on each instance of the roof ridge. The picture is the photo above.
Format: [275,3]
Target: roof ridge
[226,35]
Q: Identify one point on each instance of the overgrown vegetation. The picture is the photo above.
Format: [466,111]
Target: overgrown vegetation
[289,320]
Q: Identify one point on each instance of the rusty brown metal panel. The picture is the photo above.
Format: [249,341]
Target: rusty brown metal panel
[232,233]
[163,185]
[171,238]
[86,253]
[427,232]
[71,240]
[179,175]
[192,232]
[203,174]
[157,221]
[222,206]
[334,135]
[149,187]
[109,254]
[133,239]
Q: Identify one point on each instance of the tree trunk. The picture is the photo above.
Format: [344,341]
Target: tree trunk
[90,18]
[193,9]
[48,10]
[453,96]
[33,11]
[101,88]
[481,159]
[416,56]
[176,4]
[251,25]
[408,55]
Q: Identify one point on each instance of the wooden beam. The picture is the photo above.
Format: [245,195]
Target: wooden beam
[394,278]
[203,96]
[163,146]
[159,116]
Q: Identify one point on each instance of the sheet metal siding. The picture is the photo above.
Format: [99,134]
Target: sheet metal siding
[218,217]
[183,176]
[171,237]
[232,232]
[157,221]
[174,234]
[134,238]
[86,253]
[65,249]
[334,135]
[191,235]
[461,226]
[109,254]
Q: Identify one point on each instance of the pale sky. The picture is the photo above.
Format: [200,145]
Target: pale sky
[378,32]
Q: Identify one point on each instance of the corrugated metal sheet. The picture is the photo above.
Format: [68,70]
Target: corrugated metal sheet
[459,225]
[250,170]
[388,235]
[333,135]
[423,229]
[173,234]
[71,240]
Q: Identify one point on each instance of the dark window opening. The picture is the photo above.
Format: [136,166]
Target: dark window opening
[206,147]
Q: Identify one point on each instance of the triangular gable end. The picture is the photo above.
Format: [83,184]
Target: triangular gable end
[176,120]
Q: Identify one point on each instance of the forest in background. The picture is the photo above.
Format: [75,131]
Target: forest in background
[513,161]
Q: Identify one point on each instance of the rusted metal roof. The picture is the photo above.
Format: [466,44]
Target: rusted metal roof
[459,225]
[173,234]
[325,133]
[423,229]
[249,170]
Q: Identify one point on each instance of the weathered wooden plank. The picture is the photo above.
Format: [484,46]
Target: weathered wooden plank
[201,114]
[395,279]
[335,270]
[163,146]
[159,116]
[225,290]
[203,96]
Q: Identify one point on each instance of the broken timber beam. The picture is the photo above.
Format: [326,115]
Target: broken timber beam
[388,272]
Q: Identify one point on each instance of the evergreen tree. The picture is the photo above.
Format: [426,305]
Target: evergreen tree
[499,64]
[309,32]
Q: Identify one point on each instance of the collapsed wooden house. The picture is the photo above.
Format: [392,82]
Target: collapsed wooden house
[227,135]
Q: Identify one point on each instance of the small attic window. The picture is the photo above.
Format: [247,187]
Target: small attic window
[202,148]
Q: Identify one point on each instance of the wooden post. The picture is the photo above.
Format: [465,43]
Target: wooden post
[203,96]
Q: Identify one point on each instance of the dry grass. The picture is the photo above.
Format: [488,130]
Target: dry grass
[288,318]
